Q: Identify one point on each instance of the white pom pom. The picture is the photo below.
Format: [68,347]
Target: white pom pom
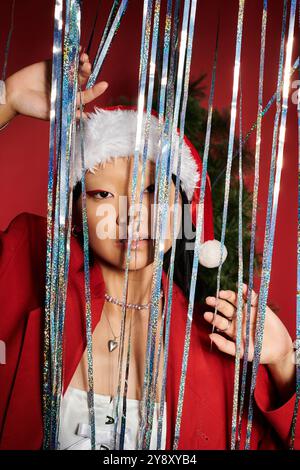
[210,254]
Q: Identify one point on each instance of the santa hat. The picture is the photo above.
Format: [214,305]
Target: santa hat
[111,133]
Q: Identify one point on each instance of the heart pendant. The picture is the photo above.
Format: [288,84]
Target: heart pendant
[112,345]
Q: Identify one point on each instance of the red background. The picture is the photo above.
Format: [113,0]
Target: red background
[24,144]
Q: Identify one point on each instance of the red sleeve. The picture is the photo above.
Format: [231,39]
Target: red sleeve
[22,280]
[278,415]
[272,418]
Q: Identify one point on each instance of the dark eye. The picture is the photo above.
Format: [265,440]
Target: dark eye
[100,194]
[150,188]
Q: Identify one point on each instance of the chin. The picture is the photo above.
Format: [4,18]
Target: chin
[136,267]
[140,258]
[141,262]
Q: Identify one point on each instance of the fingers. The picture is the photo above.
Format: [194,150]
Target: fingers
[229,347]
[223,324]
[84,72]
[92,93]
[224,344]
[231,296]
[85,68]
[224,307]
[229,311]
[254,295]
[83,58]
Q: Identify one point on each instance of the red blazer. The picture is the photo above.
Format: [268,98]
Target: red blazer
[206,420]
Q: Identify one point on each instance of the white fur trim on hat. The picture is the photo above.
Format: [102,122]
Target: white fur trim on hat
[111,133]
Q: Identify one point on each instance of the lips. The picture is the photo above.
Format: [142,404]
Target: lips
[134,243]
[125,240]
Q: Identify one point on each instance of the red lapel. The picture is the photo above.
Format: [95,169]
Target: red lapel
[75,327]
[75,330]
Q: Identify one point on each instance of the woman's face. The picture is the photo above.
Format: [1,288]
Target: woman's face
[109,205]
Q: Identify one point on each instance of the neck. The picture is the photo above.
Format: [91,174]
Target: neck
[139,283]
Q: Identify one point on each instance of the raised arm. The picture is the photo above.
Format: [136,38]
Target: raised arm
[28,90]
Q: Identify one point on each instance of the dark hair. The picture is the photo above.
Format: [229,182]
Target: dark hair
[183,262]
[183,257]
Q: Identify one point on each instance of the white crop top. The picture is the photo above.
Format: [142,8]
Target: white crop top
[74,432]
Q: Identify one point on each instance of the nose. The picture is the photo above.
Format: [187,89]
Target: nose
[123,220]
[122,217]
[128,209]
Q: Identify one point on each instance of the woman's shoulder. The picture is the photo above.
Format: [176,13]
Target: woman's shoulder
[24,226]
[24,222]
[24,237]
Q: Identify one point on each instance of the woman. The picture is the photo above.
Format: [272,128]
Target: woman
[206,420]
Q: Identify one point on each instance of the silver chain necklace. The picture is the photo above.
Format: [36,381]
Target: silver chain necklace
[115,301]
[113,343]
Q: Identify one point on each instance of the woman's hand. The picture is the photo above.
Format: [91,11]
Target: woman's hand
[277,347]
[28,90]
